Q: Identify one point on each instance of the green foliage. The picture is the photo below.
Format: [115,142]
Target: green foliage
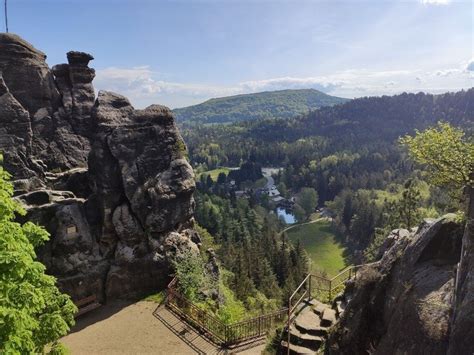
[58,348]
[371,252]
[207,240]
[307,198]
[214,174]
[408,206]
[347,153]
[192,279]
[156,297]
[260,263]
[33,312]
[321,244]
[181,146]
[446,152]
[299,213]
[233,310]
[273,104]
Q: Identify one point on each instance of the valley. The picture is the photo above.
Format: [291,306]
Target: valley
[326,253]
[270,215]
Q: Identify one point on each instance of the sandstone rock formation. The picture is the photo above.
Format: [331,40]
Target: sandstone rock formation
[403,303]
[110,183]
[57,102]
[462,328]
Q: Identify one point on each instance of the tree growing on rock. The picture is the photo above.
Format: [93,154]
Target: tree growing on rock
[449,157]
[446,152]
[33,312]
[408,206]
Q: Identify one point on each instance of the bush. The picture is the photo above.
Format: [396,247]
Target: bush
[189,269]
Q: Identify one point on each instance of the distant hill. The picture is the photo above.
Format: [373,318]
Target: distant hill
[269,104]
[363,126]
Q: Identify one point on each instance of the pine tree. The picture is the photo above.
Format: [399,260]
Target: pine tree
[347,211]
[268,282]
[409,204]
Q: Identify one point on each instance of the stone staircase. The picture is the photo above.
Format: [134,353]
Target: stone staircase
[310,328]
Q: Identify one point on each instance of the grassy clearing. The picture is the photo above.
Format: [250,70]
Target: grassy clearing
[215,173]
[319,241]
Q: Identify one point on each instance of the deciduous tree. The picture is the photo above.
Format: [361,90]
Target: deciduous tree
[33,312]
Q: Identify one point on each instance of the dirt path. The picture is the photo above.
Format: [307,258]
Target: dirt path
[302,224]
[122,328]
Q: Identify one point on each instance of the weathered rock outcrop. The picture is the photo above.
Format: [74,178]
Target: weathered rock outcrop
[121,207]
[58,139]
[15,134]
[403,303]
[27,75]
[462,328]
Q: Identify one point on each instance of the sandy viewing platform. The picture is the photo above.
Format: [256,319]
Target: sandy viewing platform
[135,328]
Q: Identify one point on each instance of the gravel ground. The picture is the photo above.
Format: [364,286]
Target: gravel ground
[124,328]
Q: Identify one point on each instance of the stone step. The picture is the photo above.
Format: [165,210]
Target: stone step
[328,317]
[339,308]
[304,339]
[295,349]
[307,321]
[318,307]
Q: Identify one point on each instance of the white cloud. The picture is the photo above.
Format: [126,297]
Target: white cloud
[144,87]
[448,72]
[470,65]
[435,2]
[322,83]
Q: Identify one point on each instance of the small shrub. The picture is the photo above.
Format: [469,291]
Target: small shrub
[189,269]
[156,297]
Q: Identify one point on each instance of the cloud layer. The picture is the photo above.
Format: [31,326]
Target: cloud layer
[435,2]
[143,86]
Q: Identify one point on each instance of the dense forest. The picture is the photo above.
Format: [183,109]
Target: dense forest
[273,104]
[349,153]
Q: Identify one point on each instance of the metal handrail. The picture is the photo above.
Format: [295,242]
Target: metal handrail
[229,334]
[348,273]
[226,334]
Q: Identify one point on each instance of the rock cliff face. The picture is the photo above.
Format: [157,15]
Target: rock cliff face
[462,328]
[110,183]
[403,304]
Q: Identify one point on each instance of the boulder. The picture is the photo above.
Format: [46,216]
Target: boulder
[402,304]
[111,108]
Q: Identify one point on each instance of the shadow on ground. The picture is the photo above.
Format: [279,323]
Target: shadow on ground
[197,341]
[98,315]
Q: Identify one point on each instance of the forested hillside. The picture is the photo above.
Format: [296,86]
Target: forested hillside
[372,123]
[349,153]
[271,104]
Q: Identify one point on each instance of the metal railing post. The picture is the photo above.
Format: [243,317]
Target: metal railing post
[309,288]
[330,290]
[288,327]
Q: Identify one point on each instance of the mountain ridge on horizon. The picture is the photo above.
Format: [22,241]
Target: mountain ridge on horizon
[286,103]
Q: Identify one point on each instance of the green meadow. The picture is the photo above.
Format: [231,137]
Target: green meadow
[321,245]
[215,173]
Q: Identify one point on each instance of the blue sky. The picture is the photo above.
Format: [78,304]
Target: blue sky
[179,53]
